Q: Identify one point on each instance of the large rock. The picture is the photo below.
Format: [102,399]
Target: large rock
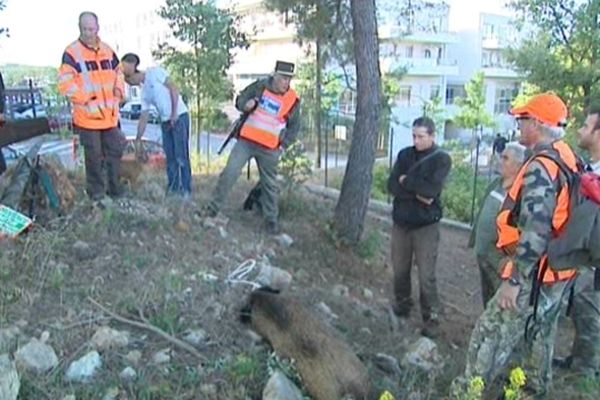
[423,354]
[36,356]
[196,337]
[128,374]
[273,277]
[279,387]
[134,357]
[162,357]
[107,338]
[84,369]
[284,240]
[9,379]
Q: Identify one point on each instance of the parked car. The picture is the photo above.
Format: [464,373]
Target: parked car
[26,111]
[133,110]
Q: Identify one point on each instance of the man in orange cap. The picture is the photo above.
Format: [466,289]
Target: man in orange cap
[531,293]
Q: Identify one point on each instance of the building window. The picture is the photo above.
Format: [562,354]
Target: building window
[409,52]
[504,99]
[348,102]
[435,92]
[404,95]
[427,53]
[488,31]
[453,92]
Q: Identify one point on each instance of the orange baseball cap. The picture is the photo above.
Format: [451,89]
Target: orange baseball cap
[547,108]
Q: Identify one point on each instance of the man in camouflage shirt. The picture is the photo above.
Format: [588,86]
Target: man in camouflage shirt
[502,325]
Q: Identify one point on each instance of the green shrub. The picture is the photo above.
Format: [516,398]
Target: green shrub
[458,193]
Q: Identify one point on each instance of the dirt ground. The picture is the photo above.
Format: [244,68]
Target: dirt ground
[154,258]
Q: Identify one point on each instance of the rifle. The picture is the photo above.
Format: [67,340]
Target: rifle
[17,131]
[237,126]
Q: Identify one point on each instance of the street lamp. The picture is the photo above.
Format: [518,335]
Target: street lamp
[475,174]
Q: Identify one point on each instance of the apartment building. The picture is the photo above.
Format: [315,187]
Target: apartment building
[436,60]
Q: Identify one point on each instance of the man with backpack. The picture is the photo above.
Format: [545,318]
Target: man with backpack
[530,296]
[416,182]
[585,307]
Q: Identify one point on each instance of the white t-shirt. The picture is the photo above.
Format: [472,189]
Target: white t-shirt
[155,93]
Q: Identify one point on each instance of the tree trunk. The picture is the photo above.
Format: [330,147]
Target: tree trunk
[318,84]
[356,187]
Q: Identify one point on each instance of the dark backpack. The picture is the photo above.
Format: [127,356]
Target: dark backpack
[578,243]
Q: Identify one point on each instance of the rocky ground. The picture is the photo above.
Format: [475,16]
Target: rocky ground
[140,301]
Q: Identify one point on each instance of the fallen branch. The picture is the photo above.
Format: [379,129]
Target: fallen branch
[151,328]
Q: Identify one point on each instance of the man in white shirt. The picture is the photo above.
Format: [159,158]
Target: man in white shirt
[158,90]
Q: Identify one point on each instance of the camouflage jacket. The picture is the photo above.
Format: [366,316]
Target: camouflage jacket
[538,202]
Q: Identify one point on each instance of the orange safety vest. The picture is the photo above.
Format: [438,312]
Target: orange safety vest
[89,77]
[265,123]
[508,232]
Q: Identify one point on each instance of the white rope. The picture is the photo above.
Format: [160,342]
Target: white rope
[241,272]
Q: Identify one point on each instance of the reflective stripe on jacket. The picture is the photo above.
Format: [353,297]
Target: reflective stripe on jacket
[269,119]
[89,77]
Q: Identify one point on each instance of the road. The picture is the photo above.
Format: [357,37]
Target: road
[63,148]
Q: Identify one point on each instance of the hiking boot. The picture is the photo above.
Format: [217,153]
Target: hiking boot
[401,311]
[208,211]
[104,203]
[563,363]
[431,329]
[272,228]
[117,194]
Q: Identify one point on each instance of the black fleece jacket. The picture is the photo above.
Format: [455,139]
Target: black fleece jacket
[426,180]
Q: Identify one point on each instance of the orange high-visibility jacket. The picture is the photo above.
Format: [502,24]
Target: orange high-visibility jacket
[508,232]
[265,124]
[89,77]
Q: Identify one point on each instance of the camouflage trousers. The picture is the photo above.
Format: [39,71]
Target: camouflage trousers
[585,313]
[498,333]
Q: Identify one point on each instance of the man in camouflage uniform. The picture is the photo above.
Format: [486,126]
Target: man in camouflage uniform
[484,234]
[500,328]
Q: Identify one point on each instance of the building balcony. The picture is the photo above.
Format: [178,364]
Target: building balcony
[499,71]
[495,43]
[400,33]
[421,66]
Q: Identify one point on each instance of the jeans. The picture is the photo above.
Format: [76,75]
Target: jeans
[176,146]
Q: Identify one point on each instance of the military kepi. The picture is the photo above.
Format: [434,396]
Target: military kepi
[284,68]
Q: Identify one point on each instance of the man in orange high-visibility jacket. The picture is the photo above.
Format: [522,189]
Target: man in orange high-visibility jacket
[536,209]
[90,77]
[271,127]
